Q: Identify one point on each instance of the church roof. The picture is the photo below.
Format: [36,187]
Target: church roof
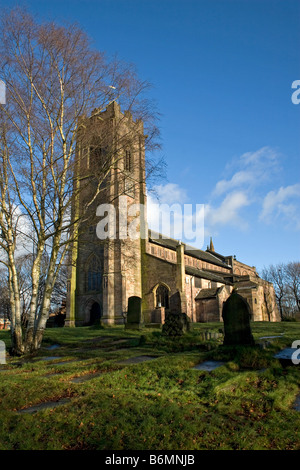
[207,275]
[207,293]
[189,250]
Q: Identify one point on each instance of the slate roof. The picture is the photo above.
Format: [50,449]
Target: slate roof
[207,275]
[207,293]
[189,250]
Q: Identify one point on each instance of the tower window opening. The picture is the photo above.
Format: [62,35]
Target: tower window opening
[128,161]
[94,276]
[98,155]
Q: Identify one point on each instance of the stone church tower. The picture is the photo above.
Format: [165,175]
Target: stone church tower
[106,272]
[114,256]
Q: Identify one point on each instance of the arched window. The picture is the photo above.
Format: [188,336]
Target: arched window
[162,296]
[93,275]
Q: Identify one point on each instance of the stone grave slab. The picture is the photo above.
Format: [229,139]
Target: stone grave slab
[85,378]
[54,374]
[119,341]
[97,339]
[44,406]
[138,359]
[271,337]
[47,358]
[59,362]
[53,347]
[285,356]
[209,365]
[67,362]
[297,403]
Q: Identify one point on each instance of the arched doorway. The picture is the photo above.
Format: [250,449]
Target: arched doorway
[95,314]
[162,296]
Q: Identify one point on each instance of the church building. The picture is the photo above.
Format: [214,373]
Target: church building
[166,274]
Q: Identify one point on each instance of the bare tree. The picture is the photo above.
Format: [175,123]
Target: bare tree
[5,312]
[276,274]
[53,80]
[293,282]
[286,282]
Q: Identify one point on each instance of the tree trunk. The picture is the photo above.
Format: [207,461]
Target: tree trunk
[17,348]
[38,338]
[29,341]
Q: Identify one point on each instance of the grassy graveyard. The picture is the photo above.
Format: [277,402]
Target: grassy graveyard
[90,392]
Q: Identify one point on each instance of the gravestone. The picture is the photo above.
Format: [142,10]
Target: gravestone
[236,316]
[134,319]
[176,324]
[2,353]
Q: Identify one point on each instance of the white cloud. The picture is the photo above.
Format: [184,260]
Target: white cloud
[169,193]
[284,202]
[228,211]
[252,169]
[248,183]
[238,179]
[170,214]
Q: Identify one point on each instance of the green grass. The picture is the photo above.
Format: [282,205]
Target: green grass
[158,405]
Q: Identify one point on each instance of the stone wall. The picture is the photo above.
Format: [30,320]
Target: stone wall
[260,296]
[154,272]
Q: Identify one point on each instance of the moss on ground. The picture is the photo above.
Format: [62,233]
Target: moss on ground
[162,404]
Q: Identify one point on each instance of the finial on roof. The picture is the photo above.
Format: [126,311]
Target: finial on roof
[211,247]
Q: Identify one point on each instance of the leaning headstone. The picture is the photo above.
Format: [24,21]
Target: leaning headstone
[134,319]
[176,324]
[236,316]
[2,353]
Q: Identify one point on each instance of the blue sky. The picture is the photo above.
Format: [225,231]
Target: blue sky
[222,73]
